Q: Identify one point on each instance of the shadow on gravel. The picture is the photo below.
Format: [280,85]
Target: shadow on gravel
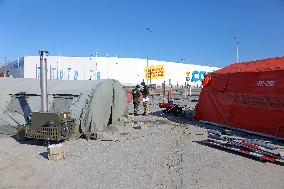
[33,142]
[44,154]
[240,154]
[173,118]
[5,135]
[189,120]
[186,118]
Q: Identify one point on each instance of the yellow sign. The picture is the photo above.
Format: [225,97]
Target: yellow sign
[154,72]
[187,73]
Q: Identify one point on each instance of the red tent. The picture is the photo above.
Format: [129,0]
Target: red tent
[248,95]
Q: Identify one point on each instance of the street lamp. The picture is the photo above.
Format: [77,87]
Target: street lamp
[237,48]
[107,66]
[148,30]
[96,70]
[90,67]
[180,60]
[147,71]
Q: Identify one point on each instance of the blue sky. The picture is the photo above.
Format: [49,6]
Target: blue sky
[199,31]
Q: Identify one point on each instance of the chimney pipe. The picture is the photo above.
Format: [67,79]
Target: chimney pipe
[43,80]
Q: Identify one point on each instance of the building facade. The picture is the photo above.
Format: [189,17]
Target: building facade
[129,71]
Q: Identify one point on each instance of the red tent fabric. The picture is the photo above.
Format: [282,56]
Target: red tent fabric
[248,95]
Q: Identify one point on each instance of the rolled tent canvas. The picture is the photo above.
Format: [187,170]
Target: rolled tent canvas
[93,104]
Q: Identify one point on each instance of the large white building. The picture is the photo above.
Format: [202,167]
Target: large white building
[129,71]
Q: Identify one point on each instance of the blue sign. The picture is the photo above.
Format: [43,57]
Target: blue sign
[53,72]
[61,74]
[68,73]
[38,72]
[198,76]
[98,75]
[187,78]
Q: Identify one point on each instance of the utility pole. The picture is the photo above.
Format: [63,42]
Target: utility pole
[96,70]
[181,60]
[147,71]
[90,78]
[237,48]
[107,67]
[148,30]
[150,74]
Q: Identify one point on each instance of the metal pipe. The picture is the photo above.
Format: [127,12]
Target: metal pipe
[237,51]
[96,70]
[43,80]
[147,72]
[150,74]
[164,90]
[237,48]
[107,67]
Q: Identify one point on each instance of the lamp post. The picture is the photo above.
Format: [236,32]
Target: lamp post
[180,60]
[107,67]
[90,67]
[147,71]
[96,76]
[237,48]
[148,30]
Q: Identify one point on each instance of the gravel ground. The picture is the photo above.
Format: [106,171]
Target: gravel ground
[165,153]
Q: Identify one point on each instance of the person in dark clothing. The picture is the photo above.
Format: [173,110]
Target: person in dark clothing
[136,98]
[145,92]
